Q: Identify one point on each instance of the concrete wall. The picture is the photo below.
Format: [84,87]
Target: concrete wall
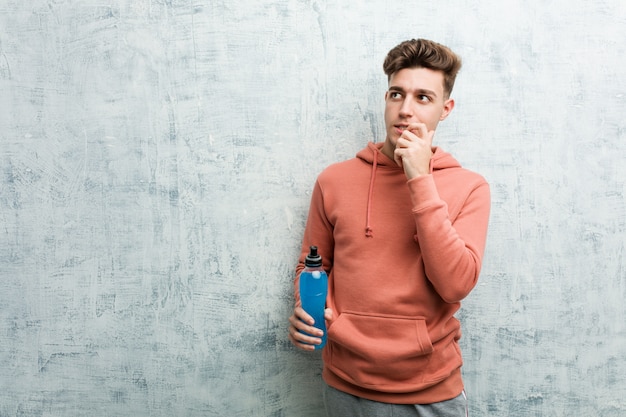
[156,164]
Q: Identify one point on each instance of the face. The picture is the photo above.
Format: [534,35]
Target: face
[415,95]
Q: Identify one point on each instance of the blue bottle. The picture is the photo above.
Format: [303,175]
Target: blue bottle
[313,291]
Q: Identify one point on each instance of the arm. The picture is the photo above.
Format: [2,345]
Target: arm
[452,250]
[318,232]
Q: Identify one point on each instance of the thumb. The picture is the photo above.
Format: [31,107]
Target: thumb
[398,159]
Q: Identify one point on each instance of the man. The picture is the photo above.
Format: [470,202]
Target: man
[402,230]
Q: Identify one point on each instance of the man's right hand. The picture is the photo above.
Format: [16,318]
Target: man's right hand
[301,320]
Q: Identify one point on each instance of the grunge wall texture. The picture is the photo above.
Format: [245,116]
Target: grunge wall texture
[156,163]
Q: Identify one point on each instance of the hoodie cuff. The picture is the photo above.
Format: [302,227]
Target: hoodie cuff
[423,191]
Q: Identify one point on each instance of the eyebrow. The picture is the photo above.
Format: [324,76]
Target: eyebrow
[417,91]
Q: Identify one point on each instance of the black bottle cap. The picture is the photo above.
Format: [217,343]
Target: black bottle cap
[313,259]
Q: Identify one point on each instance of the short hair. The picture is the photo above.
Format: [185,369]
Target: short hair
[423,53]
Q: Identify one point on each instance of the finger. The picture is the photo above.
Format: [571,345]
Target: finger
[397,156]
[407,135]
[303,341]
[303,315]
[301,345]
[298,324]
[306,337]
[418,129]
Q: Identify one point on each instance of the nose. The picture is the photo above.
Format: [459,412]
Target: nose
[406,109]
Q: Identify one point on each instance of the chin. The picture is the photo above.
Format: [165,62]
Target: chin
[393,138]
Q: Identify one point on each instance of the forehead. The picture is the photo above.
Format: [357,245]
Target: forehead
[410,79]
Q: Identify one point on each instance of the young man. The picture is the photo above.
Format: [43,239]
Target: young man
[402,230]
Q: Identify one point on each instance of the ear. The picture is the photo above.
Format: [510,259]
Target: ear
[447,108]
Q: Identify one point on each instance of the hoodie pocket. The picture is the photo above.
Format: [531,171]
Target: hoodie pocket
[383,352]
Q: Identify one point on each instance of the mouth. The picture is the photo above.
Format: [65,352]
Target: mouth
[401,128]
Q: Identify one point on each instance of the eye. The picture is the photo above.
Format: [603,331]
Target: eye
[423,98]
[395,95]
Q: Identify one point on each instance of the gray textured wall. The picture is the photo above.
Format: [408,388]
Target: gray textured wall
[156,164]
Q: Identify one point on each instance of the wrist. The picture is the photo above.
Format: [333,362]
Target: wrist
[417,172]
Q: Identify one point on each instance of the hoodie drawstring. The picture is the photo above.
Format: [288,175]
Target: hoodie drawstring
[368,229]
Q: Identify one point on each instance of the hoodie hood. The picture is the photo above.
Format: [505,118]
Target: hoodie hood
[372,155]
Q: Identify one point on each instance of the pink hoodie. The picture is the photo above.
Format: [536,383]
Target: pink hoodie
[401,255]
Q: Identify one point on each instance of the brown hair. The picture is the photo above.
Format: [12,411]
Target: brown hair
[422,53]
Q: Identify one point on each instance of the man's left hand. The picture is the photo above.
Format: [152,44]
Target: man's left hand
[414,150]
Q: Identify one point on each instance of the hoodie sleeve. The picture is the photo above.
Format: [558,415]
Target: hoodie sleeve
[318,232]
[452,249]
